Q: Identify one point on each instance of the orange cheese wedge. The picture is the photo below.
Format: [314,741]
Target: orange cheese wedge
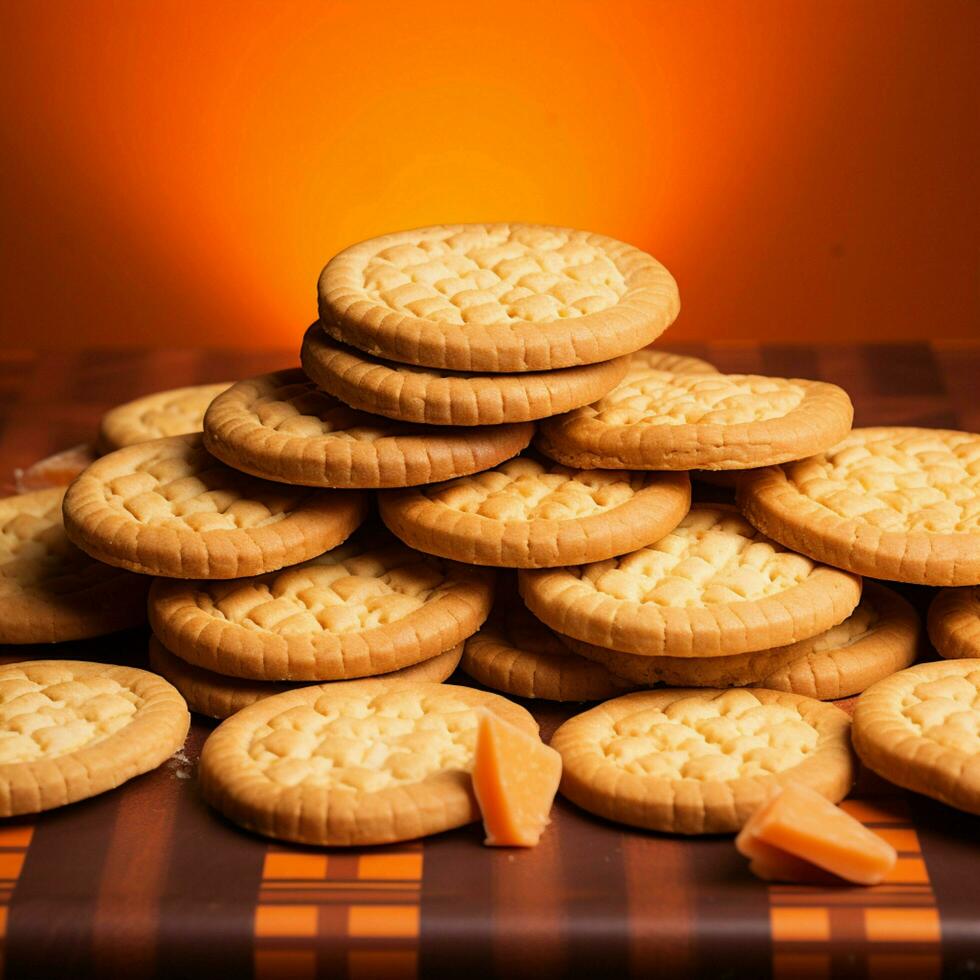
[515,778]
[799,823]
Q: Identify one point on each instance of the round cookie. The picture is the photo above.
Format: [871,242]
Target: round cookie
[496,297]
[218,696]
[71,730]
[954,623]
[879,638]
[350,764]
[50,591]
[531,514]
[167,507]
[439,397]
[368,607]
[892,503]
[919,729]
[518,655]
[164,413]
[658,420]
[653,359]
[712,587]
[282,427]
[695,761]
[736,670]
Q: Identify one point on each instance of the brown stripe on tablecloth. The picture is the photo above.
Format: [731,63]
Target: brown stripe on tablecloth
[207,898]
[660,905]
[960,366]
[734,358]
[905,369]
[790,361]
[51,918]
[15,839]
[338,913]
[456,929]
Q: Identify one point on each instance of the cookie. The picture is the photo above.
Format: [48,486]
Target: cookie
[658,420]
[71,730]
[892,503]
[51,591]
[496,297]
[736,670]
[954,623]
[919,729]
[164,413]
[700,761]
[218,696]
[439,397]
[368,607]
[712,587]
[348,764]
[57,470]
[518,655]
[879,638]
[652,359]
[282,427]
[528,513]
[168,507]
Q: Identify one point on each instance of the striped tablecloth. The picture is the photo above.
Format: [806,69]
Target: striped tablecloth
[146,881]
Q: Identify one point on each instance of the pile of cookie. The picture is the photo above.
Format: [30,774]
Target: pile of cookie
[483,463]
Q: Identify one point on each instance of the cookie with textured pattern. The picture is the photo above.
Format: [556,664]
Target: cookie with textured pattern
[692,761]
[712,587]
[954,623]
[438,397]
[70,730]
[281,427]
[880,637]
[367,607]
[218,696]
[735,670]
[528,513]
[653,359]
[659,420]
[889,502]
[920,729]
[51,591]
[496,297]
[516,654]
[167,507]
[358,763]
[164,413]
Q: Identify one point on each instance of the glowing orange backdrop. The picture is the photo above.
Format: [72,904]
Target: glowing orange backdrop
[176,173]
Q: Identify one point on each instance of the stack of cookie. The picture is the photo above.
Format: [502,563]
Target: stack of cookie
[439,355]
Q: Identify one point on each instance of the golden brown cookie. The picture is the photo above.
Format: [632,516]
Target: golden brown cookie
[879,638]
[168,507]
[368,607]
[893,503]
[653,359]
[528,513]
[358,763]
[164,413]
[57,470]
[712,587]
[919,729]
[737,670]
[658,420]
[50,590]
[282,427]
[70,730]
[438,397]
[954,623]
[518,655]
[700,761]
[496,297]
[218,696]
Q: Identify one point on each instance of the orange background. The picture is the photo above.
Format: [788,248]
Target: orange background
[176,173]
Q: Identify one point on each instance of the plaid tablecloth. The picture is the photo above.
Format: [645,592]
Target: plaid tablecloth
[147,881]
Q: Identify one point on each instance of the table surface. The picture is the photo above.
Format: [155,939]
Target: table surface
[147,881]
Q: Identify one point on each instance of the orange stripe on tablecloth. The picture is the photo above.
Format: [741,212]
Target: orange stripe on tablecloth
[285,865]
[292,921]
[902,925]
[15,840]
[404,867]
[799,925]
[383,921]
